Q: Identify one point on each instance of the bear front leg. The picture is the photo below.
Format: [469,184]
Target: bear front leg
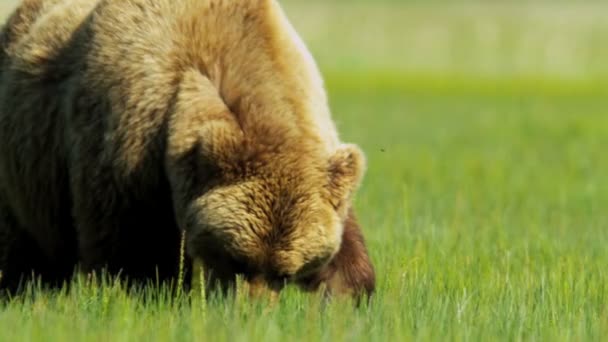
[96,206]
[350,272]
[96,234]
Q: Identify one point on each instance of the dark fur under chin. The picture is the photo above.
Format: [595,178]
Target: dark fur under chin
[350,272]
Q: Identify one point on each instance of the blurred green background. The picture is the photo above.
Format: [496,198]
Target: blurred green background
[485,125]
[559,40]
[481,40]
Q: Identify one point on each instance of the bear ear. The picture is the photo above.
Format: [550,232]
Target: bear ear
[346,170]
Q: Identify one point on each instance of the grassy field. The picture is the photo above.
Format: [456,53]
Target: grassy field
[485,205]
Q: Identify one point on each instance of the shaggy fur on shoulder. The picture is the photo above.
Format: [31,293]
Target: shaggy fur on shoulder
[125,122]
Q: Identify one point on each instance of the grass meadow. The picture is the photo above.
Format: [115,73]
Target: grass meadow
[485,204]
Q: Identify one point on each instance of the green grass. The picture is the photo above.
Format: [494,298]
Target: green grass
[484,205]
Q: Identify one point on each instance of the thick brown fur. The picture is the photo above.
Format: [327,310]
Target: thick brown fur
[125,122]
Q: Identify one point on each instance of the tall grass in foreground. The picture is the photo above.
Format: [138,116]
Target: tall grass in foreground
[484,205]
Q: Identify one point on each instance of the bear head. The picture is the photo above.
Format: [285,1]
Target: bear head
[266,201]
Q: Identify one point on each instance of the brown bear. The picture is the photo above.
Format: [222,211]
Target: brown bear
[124,123]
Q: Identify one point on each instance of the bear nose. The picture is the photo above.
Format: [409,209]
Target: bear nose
[264,287]
[276,283]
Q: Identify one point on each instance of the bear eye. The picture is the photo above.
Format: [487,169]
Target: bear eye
[312,266]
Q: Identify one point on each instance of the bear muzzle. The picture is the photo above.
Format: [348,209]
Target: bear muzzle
[259,287]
